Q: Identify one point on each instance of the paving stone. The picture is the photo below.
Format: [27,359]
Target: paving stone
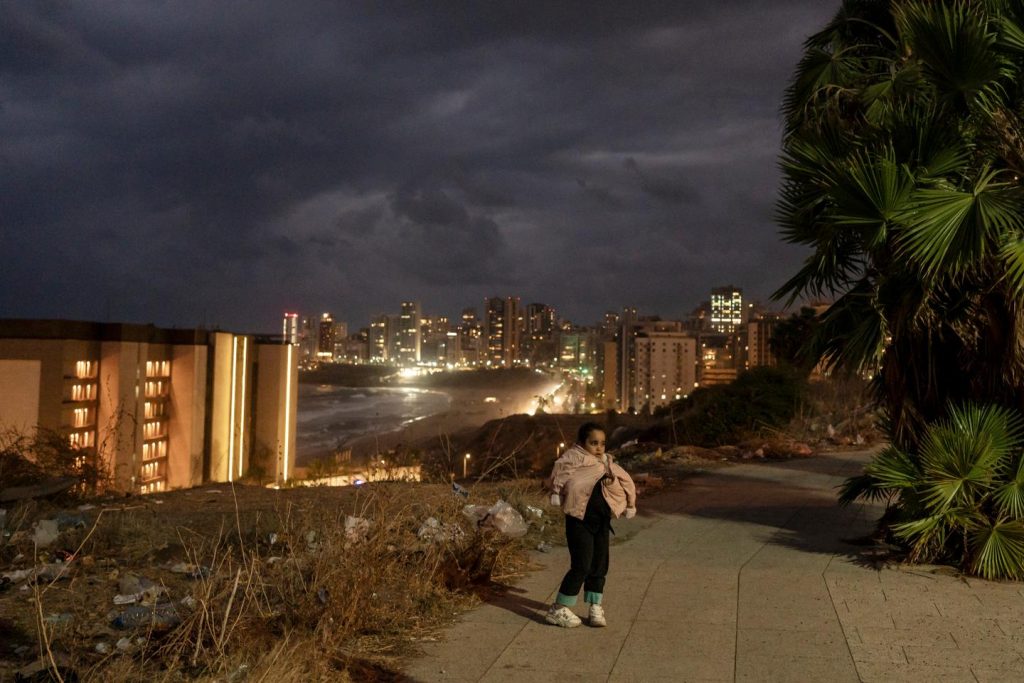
[877,672]
[771,643]
[787,670]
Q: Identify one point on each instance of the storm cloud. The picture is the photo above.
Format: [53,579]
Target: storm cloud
[217,163]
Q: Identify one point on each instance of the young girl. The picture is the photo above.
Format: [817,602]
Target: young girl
[591,490]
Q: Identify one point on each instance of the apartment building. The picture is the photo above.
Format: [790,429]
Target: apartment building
[162,408]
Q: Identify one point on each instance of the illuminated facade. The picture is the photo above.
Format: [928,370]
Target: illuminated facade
[726,309]
[325,338]
[409,334]
[290,328]
[759,334]
[502,330]
[666,368]
[377,341]
[161,408]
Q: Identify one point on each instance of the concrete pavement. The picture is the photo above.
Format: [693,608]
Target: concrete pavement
[741,575]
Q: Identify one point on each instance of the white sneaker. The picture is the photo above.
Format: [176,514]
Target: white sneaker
[596,617]
[560,615]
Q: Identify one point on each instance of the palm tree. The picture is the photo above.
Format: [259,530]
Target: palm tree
[903,159]
[960,499]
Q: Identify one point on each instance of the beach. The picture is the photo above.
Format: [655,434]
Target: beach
[445,408]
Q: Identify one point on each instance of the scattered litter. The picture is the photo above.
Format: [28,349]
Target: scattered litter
[311,538]
[19,575]
[102,648]
[158,502]
[434,531]
[272,538]
[189,602]
[126,599]
[506,519]
[160,617]
[130,584]
[460,490]
[45,532]
[500,516]
[213,490]
[536,512]
[356,528]
[475,513]
[192,571]
[124,644]
[86,506]
[51,571]
[544,547]
[70,522]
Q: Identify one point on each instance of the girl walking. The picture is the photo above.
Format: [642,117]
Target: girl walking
[591,489]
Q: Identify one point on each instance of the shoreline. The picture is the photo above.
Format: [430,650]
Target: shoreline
[467,409]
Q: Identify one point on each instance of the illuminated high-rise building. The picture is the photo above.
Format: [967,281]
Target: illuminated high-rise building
[409,334]
[502,330]
[759,334]
[540,321]
[666,368]
[726,309]
[290,329]
[325,339]
[378,340]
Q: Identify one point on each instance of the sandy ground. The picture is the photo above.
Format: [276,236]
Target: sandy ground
[468,410]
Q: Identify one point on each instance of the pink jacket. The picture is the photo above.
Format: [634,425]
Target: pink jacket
[573,478]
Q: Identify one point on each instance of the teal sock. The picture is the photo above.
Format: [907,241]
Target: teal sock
[592,598]
[566,600]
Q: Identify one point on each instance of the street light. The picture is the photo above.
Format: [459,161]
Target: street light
[465,464]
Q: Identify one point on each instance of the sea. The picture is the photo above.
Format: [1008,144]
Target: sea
[331,416]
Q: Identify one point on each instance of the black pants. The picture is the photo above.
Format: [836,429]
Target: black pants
[588,552]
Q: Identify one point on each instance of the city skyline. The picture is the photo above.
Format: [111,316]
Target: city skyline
[195,164]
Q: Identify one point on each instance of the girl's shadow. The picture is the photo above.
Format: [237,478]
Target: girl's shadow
[514,600]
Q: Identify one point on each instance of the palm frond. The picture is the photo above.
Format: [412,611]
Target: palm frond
[1011,253]
[1011,33]
[997,548]
[868,193]
[851,335]
[948,229]
[956,45]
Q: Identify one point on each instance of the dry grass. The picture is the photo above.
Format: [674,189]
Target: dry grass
[287,594]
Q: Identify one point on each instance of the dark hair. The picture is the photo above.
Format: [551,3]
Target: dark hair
[585,429]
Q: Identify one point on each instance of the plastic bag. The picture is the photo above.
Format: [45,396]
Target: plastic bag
[506,519]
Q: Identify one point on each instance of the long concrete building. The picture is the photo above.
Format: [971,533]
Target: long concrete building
[162,408]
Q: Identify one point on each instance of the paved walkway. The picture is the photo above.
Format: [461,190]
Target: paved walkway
[741,576]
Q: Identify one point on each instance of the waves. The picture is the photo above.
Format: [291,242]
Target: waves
[330,416]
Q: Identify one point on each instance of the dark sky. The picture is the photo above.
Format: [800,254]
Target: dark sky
[188,161]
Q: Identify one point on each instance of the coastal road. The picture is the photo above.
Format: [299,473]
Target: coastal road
[742,574]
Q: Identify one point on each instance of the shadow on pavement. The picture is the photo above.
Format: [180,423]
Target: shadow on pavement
[514,600]
[807,519]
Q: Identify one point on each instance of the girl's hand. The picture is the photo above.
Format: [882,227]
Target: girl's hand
[630,513]
[556,500]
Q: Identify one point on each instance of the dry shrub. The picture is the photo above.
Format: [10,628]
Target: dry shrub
[319,602]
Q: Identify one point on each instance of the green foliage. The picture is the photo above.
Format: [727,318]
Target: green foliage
[713,416]
[902,160]
[960,498]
